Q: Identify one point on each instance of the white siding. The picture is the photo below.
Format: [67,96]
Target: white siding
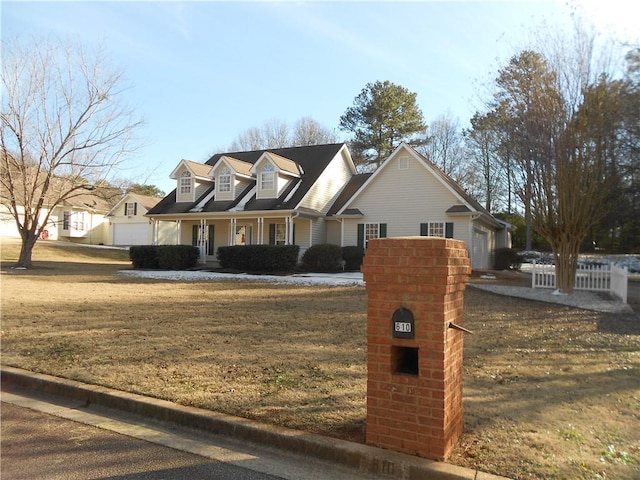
[321,195]
[201,187]
[333,234]
[166,233]
[404,198]
[302,234]
[240,185]
[319,229]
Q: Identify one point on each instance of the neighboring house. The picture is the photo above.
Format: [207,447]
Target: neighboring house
[79,219]
[313,195]
[128,224]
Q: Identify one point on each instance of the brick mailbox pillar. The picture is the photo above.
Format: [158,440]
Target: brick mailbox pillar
[415,288]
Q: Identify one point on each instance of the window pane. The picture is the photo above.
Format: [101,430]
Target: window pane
[281,234]
[185,183]
[267,178]
[224,180]
[436,229]
[371,230]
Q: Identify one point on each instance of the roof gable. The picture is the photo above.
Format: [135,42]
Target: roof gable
[237,166]
[147,201]
[282,164]
[462,197]
[198,170]
[87,202]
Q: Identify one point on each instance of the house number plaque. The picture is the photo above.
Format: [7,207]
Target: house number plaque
[403,324]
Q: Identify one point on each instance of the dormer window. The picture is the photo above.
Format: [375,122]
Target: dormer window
[185,183]
[267,177]
[224,180]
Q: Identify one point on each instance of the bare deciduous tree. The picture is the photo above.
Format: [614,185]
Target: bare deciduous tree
[444,146]
[276,134]
[308,131]
[560,112]
[64,129]
[483,146]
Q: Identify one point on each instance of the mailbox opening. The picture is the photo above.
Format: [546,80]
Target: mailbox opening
[405,360]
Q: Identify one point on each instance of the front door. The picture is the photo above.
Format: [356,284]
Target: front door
[199,240]
[243,235]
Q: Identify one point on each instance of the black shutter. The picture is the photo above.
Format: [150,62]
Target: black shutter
[194,235]
[424,229]
[383,230]
[212,231]
[448,230]
[272,234]
[135,208]
[361,235]
[125,208]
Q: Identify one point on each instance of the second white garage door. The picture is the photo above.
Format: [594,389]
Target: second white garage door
[131,234]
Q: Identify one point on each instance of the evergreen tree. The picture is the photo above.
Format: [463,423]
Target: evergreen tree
[383,116]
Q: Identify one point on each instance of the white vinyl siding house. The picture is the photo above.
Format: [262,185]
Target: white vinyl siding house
[409,196]
[313,195]
[403,198]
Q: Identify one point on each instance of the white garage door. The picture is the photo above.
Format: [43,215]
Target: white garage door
[131,234]
[480,254]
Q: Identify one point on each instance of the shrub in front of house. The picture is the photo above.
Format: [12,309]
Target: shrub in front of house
[352,257]
[259,258]
[177,257]
[506,259]
[325,257]
[143,256]
[163,257]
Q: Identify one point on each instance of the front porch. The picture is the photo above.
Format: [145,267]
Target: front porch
[210,233]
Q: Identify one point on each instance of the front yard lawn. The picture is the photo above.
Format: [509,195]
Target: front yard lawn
[550,392]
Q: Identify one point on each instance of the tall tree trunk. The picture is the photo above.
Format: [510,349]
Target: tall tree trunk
[529,229]
[565,254]
[29,239]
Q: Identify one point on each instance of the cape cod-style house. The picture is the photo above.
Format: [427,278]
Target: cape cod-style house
[312,195]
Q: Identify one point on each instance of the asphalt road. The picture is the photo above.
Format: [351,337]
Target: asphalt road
[52,440]
[38,446]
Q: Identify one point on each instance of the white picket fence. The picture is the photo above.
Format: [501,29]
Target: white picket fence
[596,278]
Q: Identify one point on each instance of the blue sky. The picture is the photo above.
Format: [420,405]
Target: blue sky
[203,72]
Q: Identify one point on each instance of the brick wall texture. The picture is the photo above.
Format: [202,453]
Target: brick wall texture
[418,414]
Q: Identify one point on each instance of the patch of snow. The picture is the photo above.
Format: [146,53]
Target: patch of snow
[557,292]
[578,299]
[331,279]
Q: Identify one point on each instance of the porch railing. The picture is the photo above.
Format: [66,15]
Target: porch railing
[595,278]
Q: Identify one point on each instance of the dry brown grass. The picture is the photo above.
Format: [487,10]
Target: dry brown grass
[550,391]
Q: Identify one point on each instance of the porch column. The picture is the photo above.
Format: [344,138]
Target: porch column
[260,236]
[232,231]
[286,230]
[178,228]
[202,241]
[154,232]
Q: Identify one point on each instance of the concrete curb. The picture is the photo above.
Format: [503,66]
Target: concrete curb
[358,457]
